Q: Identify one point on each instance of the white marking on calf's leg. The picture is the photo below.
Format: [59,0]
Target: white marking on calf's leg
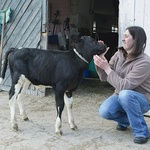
[12,105]
[58,125]
[1,80]
[20,100]
[69,105]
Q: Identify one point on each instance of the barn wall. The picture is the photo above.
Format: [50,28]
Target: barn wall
[25,27]
[134,12]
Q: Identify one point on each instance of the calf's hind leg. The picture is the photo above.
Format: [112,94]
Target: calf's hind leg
[13,94]
[20,100]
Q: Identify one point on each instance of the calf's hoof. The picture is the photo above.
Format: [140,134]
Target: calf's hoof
[26,119]
[74,128]
[15,127]
[59,133]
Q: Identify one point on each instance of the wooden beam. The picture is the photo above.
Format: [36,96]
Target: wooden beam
[2,40]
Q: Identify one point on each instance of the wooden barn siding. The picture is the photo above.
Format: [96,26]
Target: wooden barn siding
[24,30]
[134,12]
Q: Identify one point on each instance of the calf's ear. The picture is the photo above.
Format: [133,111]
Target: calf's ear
[75,39]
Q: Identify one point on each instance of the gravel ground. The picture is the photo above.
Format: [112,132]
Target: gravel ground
[94,132]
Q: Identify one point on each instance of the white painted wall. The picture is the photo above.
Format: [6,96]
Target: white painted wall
[134,12]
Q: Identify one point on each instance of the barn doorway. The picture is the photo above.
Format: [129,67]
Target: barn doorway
[98,18]
[106,22]
[105,27]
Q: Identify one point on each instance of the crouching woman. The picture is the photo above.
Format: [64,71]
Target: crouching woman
[128,71]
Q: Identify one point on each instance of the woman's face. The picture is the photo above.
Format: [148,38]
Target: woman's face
[128,41]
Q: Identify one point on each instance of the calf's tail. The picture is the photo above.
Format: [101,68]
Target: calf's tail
[5,63]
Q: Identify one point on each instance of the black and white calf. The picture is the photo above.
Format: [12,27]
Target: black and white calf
[63,70]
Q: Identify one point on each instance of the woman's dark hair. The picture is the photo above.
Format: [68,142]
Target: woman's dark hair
[140,39]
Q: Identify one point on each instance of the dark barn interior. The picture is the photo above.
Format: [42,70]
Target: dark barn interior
[97,18]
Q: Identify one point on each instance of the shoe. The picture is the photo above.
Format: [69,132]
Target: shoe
[121,128]
[140,140]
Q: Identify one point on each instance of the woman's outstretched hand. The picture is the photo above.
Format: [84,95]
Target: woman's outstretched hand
[101,61]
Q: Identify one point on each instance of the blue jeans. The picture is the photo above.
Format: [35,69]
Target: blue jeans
[126,109]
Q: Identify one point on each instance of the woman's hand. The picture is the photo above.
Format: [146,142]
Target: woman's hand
[102,42]
[103,54]
[101,61]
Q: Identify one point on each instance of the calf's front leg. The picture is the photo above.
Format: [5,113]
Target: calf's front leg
[69,104]
[59,107]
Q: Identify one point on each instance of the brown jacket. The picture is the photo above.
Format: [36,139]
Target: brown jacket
[128,74]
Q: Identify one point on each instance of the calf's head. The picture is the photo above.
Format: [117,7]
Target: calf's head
[88,46]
